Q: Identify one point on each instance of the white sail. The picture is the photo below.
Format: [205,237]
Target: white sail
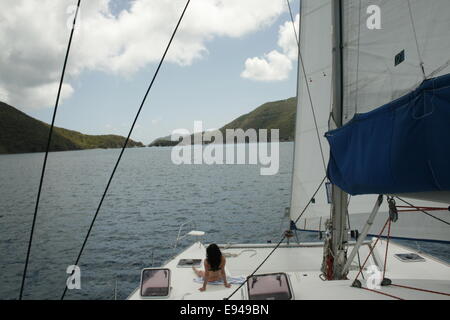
[371,76]
[370,79]
[316,53]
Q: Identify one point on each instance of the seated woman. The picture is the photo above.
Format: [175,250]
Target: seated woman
[214,267]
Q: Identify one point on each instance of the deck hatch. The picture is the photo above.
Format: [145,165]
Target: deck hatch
[155,283]
[188,263]
[273,286]
[409,257]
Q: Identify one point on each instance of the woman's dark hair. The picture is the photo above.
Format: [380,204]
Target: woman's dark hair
[214,256]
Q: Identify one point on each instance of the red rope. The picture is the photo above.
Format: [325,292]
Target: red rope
[386,253]
[371,249]
[387,245]
[418,289]
[412,209]
[330,267]
[385,294]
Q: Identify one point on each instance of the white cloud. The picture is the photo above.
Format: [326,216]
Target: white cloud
[287,40]
[43,94]
[34,35]
[275,65]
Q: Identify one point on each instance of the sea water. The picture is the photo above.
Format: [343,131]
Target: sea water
[149,198]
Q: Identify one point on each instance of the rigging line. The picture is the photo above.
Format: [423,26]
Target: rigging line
[293,24]
[279,243]
[383,293]
[372,249]
[419,289]
[30,242]
[359,264]
[387,248]
[423,211]
[128,137]
[308,89]
[417,42]
[440,69]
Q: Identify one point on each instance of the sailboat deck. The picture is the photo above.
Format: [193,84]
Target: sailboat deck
[302,264]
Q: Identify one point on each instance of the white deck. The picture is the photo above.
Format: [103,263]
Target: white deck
[302,264]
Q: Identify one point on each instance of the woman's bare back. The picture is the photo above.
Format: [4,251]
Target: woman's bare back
[212,275]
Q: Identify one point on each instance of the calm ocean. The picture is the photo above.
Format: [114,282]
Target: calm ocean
[149,199]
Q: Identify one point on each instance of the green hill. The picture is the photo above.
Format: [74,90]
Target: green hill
[163,142]
[272,115]
[20,133]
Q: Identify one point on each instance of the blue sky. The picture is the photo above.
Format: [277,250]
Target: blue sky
[210,89]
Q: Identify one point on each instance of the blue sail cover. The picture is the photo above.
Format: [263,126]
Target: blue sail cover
[401,147]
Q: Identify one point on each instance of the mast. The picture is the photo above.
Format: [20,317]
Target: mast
[339,198]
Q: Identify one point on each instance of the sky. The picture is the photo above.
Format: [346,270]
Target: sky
[229,57]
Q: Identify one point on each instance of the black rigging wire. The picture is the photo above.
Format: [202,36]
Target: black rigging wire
[24,275]
[280,242]
[417,42]
[423,211]
[293,24]
[128,137]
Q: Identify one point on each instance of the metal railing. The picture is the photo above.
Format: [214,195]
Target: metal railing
[181,237]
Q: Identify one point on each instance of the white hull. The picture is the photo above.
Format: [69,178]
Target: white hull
[302,264]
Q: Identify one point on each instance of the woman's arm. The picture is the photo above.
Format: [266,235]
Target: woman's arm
[205,277]
[224,276]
